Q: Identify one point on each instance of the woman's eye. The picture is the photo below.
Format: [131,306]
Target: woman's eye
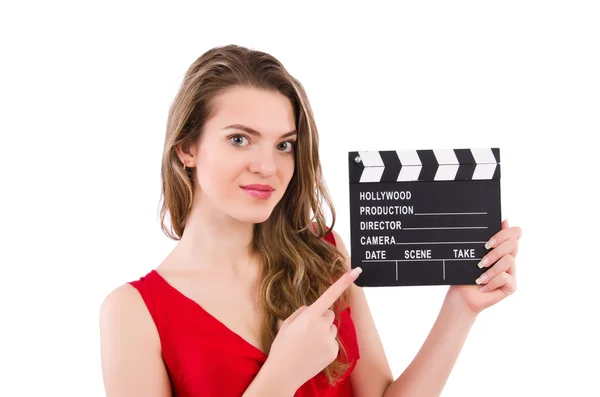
[238,140]
[289,148]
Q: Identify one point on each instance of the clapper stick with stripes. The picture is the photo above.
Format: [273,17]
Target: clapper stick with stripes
[422,217]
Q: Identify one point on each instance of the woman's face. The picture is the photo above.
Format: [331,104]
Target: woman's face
[245,157]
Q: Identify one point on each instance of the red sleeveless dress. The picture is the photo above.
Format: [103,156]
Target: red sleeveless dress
[205,358]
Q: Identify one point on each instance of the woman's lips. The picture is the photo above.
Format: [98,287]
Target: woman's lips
[259,194]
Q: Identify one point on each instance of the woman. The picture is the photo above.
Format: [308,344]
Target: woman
[257,298]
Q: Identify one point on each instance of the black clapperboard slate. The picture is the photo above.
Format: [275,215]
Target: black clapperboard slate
[422,217]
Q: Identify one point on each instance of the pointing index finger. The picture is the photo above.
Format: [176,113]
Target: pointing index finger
[329,297]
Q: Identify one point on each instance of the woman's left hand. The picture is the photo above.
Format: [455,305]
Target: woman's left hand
[496,283]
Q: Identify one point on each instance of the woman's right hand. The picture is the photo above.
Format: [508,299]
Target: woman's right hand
[305,343]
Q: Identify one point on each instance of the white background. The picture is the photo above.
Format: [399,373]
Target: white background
[85,89]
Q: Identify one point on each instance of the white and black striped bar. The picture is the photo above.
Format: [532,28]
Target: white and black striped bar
[424,165]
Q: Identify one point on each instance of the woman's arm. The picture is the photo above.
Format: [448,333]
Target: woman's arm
[428,372]
[132,364]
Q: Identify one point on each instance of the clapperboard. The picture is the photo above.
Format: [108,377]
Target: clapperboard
[422,217]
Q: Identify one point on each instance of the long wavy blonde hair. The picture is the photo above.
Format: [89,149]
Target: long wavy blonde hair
[298,265]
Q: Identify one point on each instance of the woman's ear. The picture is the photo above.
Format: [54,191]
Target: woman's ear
[187,154]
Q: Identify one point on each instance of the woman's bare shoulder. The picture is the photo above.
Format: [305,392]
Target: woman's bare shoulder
[130,346]
[124,314]
[124,303]
[125,292]
[127,303]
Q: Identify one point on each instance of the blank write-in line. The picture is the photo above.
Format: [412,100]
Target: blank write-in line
[419,260]
[446,242]
[453,213]
[444,228]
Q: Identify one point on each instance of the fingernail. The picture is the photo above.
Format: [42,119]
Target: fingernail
[490,244]
[482,263]
[483,288]
[356,271]
[481,279]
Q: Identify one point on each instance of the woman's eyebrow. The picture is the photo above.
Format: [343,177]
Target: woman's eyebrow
[253,131]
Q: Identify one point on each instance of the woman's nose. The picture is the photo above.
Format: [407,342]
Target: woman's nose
[264,163]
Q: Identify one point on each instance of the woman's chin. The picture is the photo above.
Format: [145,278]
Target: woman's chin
[253,216]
